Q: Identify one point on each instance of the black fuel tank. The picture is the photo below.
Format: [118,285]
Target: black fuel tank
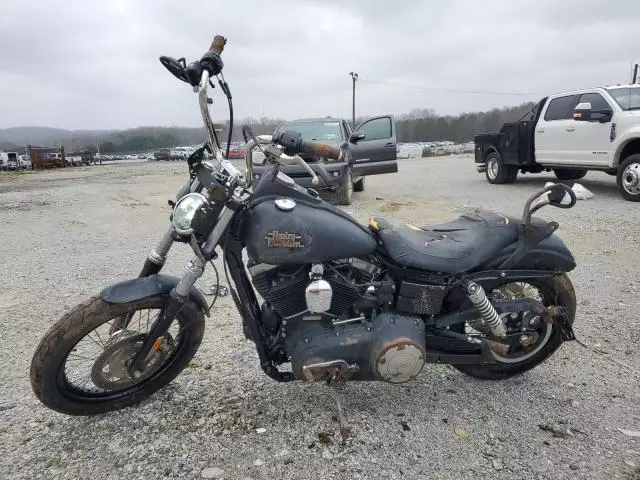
[306,234]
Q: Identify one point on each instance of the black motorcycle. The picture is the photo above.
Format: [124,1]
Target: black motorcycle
[485,293]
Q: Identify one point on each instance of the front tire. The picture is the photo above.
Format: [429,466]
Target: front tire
[344,192]
[497,172]
[628,178]
[569,173]
[49,368]
[556,291]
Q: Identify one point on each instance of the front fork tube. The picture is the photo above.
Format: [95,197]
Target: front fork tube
[152,265]
[177,298]
[158,255]
[180,294]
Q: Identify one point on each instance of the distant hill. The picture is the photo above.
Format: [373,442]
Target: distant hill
[47,136]
[140,139]
[418,125]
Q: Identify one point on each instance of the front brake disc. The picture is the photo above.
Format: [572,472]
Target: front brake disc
[110,370]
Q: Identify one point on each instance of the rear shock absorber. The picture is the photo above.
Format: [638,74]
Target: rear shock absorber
[476,294]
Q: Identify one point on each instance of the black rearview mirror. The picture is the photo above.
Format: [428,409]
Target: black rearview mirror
[605,115]
[356,137]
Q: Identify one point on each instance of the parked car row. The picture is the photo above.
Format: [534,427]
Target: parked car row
[13,161]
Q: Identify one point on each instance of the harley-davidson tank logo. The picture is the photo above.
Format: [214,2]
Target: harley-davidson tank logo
[283,240]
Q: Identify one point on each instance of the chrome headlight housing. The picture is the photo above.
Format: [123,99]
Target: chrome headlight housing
[257,157]
[185,211]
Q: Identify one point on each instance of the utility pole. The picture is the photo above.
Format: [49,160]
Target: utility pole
[354,77]
[634,80]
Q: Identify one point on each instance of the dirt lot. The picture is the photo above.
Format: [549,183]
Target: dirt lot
[66,234]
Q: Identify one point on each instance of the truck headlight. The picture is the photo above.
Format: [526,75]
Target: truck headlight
[185,211]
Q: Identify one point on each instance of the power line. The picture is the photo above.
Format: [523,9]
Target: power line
[452,90]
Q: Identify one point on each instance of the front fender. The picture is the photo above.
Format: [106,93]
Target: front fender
[629,135]
[139,288]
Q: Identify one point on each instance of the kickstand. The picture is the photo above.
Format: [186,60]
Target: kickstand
[336,386]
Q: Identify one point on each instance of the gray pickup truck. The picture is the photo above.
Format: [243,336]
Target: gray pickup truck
[372,146]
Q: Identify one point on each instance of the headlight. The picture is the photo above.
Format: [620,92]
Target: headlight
[257,157]
[185,211]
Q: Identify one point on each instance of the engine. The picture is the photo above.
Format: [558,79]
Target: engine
[331,316]
[288,289]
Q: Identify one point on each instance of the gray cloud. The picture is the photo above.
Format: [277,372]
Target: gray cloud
[78,64]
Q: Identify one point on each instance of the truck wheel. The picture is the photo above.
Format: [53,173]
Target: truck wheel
[628,178]
[344,192]
[359,185]
[497,172]
[569,173]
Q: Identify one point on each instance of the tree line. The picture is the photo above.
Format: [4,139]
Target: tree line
[424,125]
[419,125]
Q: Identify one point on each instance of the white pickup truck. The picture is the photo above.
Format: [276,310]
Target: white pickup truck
[570,133]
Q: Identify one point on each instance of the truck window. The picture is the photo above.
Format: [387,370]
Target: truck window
[627,98]
[597,102]
[319,131]
[377,129]
[560,108]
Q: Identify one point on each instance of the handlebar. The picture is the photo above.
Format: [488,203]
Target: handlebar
[320,150]
[211,65]
[294,144]
[217,46]
[211,60]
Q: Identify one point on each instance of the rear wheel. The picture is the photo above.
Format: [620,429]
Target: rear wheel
[359,185]
[81,367]
[628,178]
[527,350]
[497,172]
[569,173]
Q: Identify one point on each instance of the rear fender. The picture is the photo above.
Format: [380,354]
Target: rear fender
[139,288]
[550,254]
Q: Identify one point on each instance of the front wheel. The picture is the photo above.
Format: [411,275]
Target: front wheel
[544,338]
[81,364]
[344,191]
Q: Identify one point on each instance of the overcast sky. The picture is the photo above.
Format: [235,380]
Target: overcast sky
[94,64]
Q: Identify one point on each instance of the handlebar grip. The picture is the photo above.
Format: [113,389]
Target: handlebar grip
[320,150]
[211,60]
[217,46]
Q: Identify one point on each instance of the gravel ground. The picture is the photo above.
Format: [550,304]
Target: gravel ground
[65,234]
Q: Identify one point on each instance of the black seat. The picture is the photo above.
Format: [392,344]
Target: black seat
[455,247]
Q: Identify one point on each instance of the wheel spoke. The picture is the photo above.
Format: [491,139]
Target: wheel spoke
[93,340]
[111,350]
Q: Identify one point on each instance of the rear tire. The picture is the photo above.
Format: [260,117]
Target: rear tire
[497,172]
[628,178]
[569,173]
[344,192]
[48,378]
[359,185]
[561,290]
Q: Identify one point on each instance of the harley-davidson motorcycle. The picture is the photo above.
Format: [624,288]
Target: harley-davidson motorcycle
[485,293]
